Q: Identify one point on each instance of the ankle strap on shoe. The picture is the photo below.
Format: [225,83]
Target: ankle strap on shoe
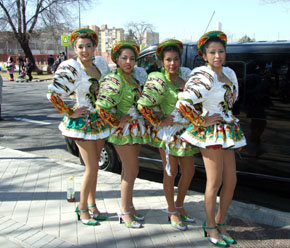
[179,207]
[92,206]
[83,211]
[219,224]
[210,227]
[166,211]
[126,213]
[171,212]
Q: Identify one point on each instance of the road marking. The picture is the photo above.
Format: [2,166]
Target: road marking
[32,121]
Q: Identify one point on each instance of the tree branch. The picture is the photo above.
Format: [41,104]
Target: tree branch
[9,19]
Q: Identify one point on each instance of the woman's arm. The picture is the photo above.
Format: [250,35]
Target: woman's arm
[108,98]
[64,84]
[197,89]
[152,95]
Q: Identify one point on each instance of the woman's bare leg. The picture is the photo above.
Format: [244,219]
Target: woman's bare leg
[168,183]
[187,172]
[213,162]
[93,189]
[228,187]
[87,150]
[130,169]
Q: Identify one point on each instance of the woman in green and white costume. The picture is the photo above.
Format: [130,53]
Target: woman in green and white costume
[157,105]
[116,104]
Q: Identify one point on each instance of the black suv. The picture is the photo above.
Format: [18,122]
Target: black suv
[263,71]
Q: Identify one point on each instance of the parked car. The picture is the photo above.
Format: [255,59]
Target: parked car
[263,71]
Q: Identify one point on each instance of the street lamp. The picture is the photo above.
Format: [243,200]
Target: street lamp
[79,13]
[79,5]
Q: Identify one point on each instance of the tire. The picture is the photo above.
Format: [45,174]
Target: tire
[72,146]
[109,159]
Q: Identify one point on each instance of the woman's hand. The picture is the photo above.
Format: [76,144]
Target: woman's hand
[211,120]
[80,112]
[124,120]
[167,121]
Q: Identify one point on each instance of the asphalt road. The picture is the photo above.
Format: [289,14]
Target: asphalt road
[31,121]
[31,125]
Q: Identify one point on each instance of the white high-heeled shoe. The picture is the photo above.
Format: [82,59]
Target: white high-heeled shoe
[132,224]
[137,217]
[96,216]
[218,242]
[186,218]
[178,225]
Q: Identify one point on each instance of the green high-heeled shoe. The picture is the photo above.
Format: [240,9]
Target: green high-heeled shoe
[178,225]
[129,224]
[218,242]
[186,218]
[89,222]
[138,217]
[226,237]
[96,216]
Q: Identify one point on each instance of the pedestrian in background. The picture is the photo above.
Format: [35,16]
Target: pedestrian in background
[20,61]
[50,61]
[116,103]
[28,67]
[216,88]
[80,77]
[157,104]
[10,68]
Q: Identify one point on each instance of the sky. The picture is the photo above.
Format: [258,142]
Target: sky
[188,19]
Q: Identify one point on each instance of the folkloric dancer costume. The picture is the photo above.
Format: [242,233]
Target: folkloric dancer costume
[117,97]
[158,101]
[214,97]
[71,80]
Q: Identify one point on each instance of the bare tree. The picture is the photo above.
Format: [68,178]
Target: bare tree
[137,30]
[23,16]
[246,38]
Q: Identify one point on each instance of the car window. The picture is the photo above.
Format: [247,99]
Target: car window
[198,61]
[189,56]
[150,62]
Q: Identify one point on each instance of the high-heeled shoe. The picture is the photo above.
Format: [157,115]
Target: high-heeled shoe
[218,242]
[96,216]
[137,217]
[186,218]
[89,222]
[226,237]
[132,224]
[178,225]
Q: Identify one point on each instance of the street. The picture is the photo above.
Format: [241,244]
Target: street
[31,121]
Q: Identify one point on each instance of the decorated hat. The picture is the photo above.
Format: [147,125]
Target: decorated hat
[203,39]
[123,43]
[167,43]
[76,33]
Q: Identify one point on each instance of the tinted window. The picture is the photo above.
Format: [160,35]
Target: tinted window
[150,62]
[264,112]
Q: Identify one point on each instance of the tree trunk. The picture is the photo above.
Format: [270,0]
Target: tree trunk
[24,43]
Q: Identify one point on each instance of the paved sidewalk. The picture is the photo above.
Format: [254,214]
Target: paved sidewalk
[34,211]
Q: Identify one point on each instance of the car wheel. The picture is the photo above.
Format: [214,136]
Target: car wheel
[109,160]
[71,146]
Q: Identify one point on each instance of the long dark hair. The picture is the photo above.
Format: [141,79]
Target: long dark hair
[213,39]
[169,49]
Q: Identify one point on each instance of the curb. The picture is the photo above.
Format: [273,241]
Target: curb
[260,214]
